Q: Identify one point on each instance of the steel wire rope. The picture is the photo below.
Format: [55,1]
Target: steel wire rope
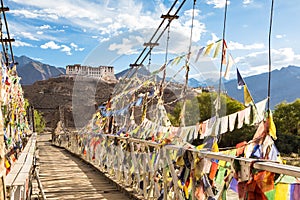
[7,32]
[187,62]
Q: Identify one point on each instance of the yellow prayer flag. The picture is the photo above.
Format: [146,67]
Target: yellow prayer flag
[228,66]
[7,165]
[272,127]
[282,190]
[208,49]
[217,50]
[177,60]
[215,147]
[201,146]
[132,169]
[247,96]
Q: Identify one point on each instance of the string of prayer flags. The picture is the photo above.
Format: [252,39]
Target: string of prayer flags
[176,60]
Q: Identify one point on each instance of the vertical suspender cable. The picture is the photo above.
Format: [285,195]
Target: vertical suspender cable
[187,62]
[1,37]
[270,66]
[222,58]
[161,90]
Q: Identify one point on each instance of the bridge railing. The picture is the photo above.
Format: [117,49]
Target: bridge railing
[18,181]
[156,171]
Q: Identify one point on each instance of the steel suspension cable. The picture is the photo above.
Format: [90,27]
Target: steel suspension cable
[7,32]
[270,66]
[165,65]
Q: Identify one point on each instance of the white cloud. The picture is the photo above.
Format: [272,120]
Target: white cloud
[39,32]
[126,47]
[214,38]
[50,45]
[257,62]
[75,47]
[19,43]
[104,39]
[90,16]
[29,36]
[127,16]
[65,48]
[238,46]
[217,3]
[280,36]
[246,2]
[35,14]
[45,27]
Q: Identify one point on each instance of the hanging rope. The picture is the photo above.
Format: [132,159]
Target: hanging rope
[187,63]
[270,67]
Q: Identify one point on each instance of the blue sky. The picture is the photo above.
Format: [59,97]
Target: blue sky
[106,32]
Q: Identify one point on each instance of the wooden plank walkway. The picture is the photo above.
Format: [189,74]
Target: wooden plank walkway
[64,176]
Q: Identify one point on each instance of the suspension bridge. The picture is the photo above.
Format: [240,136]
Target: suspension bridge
[144,158]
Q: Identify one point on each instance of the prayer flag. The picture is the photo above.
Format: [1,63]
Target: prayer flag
[199,53]
[272,127]
[281,191]
[228,66]
[177,60]
[247,97]
[208,49]
[224,52]
[218,43]
[240,80]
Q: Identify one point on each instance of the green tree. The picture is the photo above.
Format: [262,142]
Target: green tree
[287,117]
[287,121]
[39,121]
[202,107]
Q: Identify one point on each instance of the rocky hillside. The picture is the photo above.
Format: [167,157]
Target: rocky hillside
[75,100]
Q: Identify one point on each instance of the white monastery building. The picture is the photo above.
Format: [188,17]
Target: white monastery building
[103,72]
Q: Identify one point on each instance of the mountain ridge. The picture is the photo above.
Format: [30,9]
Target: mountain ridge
[31,70]
[284,86]
[284,81]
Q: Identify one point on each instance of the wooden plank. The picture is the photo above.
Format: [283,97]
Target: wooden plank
[21,179]
[67,177]
[21,169]
[9,179]
[26,168]
[21,158]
